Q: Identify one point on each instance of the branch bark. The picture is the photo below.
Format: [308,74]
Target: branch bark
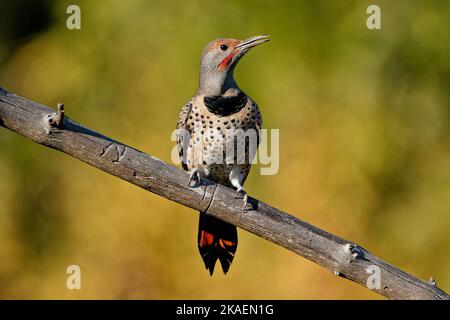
[346,259]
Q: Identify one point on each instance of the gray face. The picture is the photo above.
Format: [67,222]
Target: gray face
[219,55]
[218,61]
[216,71]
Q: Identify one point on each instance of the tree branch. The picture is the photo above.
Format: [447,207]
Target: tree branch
[344,258]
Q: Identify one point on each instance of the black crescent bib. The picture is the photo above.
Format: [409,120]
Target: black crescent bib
[225,106]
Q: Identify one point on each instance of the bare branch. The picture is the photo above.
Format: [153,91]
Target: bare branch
[340,256]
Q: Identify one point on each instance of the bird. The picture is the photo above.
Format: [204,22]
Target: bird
[207,132]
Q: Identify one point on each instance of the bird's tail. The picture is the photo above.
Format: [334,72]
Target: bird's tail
[216,240]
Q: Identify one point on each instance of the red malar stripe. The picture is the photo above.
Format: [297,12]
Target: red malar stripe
[225,62]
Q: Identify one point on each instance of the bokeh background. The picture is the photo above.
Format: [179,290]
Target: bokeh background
[364,125]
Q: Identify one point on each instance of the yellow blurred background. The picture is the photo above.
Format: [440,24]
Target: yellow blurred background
[364,152]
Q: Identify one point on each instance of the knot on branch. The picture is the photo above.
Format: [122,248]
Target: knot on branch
[432,281]
[346,255]
[354,251]
[56,119]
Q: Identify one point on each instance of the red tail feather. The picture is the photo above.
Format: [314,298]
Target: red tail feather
[217,240]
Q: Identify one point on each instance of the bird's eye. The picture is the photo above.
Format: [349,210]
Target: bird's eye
[223,47]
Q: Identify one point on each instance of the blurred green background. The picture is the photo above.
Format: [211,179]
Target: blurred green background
[364,128]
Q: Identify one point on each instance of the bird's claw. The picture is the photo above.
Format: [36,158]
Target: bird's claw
[245,209]
[194,176]
[245,198]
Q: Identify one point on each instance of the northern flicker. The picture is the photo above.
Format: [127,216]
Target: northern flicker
[207,126]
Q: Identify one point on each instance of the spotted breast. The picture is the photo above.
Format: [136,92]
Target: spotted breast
[215,142]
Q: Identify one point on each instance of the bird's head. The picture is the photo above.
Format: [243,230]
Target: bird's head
[219,59]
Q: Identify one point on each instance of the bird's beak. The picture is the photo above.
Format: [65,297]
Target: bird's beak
[252,42]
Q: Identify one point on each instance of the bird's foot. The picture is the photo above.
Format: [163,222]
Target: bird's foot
[195,175]
[245,198]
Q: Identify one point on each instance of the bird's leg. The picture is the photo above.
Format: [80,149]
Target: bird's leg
[236,179]
[241,190]
[195,175]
